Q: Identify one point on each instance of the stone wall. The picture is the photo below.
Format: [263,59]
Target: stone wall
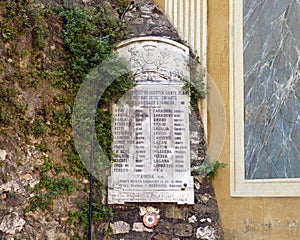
[176,222]
[143,18]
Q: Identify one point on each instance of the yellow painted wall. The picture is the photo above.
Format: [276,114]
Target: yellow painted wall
[160,4]
[242,218]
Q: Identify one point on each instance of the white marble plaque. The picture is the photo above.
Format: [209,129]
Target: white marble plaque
[151,135]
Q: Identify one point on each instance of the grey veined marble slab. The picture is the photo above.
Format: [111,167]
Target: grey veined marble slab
[272,88]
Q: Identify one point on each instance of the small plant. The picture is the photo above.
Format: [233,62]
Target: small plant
[38,128]
[108,230]
[47,189]
[123,7]
[99,213]
[39,32]
[10,108]
[208,169]
[195,86]
[42,146]
[56,185]
[42,201]
[76,166]
[47,166]
[8,32]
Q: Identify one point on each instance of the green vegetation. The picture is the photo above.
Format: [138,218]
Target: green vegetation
[38,128]
[48,189]
[75,165]
[104,112]
[48,50]
[99,213]
[196,85]
[208,169]
[10,108]
[89,37]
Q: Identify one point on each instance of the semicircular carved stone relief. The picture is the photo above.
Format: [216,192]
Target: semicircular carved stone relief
[156,59]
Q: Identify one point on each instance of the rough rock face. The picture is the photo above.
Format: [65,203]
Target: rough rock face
[145,19]
[12,223]
[198,221]
[17,175]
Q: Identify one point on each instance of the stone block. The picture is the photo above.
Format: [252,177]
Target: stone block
[120,227]
[183,230]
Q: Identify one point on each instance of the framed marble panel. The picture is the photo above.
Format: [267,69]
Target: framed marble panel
[265,98]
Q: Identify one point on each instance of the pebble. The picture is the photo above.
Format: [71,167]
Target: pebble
[138,227]
[120,227]
[206,233]
[205,220]
[183,230]
[192,219]
[138,21]
[3,154]
[197,185]
[144,210]
[12,223]
[161,237]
